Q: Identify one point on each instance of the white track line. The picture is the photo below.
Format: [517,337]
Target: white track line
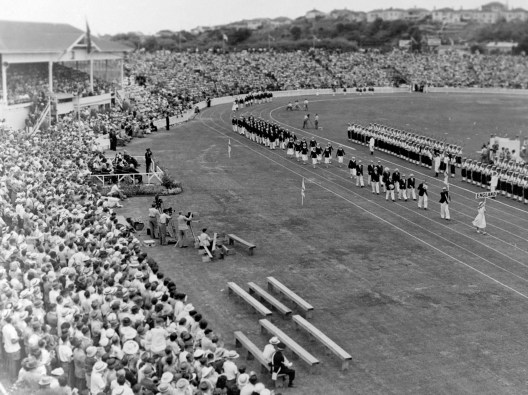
[387,222]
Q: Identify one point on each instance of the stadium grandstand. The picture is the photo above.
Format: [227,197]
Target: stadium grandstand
[57,64]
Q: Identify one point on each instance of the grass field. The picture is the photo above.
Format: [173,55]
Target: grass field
[424,306]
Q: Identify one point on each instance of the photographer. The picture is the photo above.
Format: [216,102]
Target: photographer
[183,226]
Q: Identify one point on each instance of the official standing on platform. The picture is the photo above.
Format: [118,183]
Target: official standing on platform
[148,160]
[445,199]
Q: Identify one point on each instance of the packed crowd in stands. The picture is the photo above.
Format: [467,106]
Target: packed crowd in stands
[27,81]
[83,308]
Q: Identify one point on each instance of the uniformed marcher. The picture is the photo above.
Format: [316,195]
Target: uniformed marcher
[340,154]
[422,195]
[359,175]
[445,199]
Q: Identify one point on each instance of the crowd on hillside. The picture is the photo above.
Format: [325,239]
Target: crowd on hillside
[195,76]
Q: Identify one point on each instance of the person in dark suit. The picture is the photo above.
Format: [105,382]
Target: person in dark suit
[113,141]
[444,204]
[148,160]
[281,365]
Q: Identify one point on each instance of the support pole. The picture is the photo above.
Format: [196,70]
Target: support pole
[91,75]
[122,72]
[50,76]
[4,83]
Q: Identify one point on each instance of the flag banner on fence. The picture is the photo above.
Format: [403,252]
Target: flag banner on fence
[482,195]
[229,148]
[303,188]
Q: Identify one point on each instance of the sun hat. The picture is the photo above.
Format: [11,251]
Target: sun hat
[242,380]
[274,340]
[100,366]
[130,347]
[45,381]
[232,354]
[182,383]
[167,377]
[90,351]
[57,372]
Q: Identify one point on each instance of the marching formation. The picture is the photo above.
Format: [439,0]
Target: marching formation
[508,178]
[420,150]
[393,184]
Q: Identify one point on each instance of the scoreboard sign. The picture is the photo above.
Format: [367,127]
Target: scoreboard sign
[483,195]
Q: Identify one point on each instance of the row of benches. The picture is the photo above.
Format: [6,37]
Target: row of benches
[258,292]
[269,327]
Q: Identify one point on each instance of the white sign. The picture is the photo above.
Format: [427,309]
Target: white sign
[481,195]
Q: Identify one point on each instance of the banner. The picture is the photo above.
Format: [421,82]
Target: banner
[482,195]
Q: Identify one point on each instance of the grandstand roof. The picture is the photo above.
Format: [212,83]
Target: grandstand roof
[28,37]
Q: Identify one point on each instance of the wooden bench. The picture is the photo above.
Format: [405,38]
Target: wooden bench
[232,238]
[345,357]
[261,309]
[274,284]
[297,350]
[253,352]
[254,289]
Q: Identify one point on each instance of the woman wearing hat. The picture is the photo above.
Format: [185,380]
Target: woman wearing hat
[29,377]
[480,220]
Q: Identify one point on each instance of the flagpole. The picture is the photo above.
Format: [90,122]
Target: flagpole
[229,148]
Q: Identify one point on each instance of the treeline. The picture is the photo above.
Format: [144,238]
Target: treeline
[330,34]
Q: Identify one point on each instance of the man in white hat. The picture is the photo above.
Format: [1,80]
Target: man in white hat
[98,381]
[230,369]
[269,349]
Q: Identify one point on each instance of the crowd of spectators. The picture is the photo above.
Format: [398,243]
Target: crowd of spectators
[25,82]
[194,76]
[83,308]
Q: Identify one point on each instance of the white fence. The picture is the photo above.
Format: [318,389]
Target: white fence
[157,174]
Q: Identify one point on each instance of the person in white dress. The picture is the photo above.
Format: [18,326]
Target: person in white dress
[480,220]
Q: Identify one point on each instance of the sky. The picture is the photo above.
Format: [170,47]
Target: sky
[151,16]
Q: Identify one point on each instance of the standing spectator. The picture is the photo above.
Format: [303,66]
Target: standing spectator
[182,229]
[79,361]
[11,347]
[98,383]
[163,221]
[154,216]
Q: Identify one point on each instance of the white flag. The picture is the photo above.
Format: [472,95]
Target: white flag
[224,37]
[303,188]
[229,148]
